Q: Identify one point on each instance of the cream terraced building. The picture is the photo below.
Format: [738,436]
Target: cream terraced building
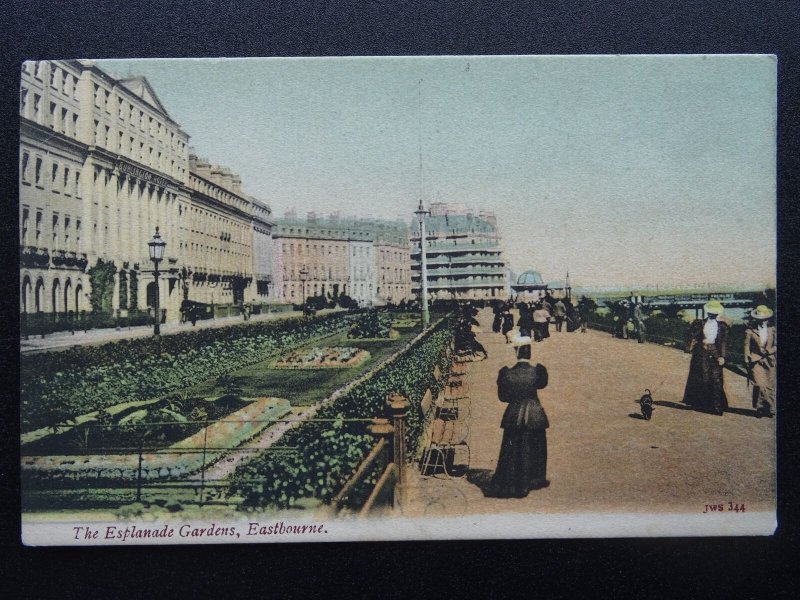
[225,239]
[102,164]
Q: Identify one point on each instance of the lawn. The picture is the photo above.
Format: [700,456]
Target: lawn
[302,387]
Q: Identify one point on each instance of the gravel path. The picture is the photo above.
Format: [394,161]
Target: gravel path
[602,456]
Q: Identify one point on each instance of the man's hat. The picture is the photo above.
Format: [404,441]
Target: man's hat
[761,312]
[524,340]
[714,307]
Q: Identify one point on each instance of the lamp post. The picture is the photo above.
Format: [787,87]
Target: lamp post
[303,273]
[421,212]
[156,246]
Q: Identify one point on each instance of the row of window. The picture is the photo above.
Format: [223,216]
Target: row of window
[203,222]
[132,147]
[134,117]
[315,272]
[205,254]
[60,180]
[65,231]
[60,80]
[58,117]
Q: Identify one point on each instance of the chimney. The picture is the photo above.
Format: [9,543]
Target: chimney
[216,175]
[200,166]
[236,184]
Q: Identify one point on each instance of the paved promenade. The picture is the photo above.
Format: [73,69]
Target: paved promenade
[602,456]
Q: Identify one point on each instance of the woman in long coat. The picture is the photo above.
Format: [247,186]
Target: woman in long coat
[704,386]
[760,348]
[522,464]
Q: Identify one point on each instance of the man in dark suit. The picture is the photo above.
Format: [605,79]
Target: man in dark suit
[522,465]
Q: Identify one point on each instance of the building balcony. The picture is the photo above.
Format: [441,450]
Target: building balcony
[31,256]
[440,248]
[461,260]
[448,285]
[439,272]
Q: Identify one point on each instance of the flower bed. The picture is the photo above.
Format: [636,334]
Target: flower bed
[336,357]
[159,424]
[174,462]
[329,452]
[372,325]
[64,388]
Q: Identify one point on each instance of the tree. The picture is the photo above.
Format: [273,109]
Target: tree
[101,278]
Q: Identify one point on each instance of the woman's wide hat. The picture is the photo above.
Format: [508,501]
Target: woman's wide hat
[761,312]
[523,340]
[714,307]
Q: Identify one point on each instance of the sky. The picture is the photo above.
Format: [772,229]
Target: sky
[626,171]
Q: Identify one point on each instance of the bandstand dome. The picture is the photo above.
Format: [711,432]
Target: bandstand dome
[529,278]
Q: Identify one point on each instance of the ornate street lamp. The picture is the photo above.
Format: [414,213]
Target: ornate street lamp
[156,246]
[421,212]
[303,273]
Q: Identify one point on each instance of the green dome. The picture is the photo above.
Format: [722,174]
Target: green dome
[530,277]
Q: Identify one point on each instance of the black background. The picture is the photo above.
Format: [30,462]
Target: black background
[686,568]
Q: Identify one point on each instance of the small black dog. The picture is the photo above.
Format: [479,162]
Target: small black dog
[646,404]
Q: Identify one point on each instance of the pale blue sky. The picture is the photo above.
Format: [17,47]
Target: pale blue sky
[625,170]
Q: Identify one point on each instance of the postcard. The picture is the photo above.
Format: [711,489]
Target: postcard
[397,298]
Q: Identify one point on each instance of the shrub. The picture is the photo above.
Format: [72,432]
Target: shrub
[327,453]
[62,385]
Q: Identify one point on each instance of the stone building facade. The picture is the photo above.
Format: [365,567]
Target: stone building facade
[366,259]
[392,263]
[463,252]
[102,164]
[221,227]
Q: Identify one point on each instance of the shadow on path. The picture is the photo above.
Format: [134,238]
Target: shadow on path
[636,416]
[742,411]
[677,405]
[745,412]
[480,478]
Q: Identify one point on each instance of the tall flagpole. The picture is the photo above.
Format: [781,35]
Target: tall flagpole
[421,212]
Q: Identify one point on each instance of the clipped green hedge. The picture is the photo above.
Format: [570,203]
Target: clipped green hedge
[327,453]
[91,378]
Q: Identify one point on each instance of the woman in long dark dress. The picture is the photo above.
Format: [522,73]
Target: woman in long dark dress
[522,464]
[705,389]
[508,322]
[525,320]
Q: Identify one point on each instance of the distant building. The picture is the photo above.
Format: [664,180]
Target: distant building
[365,259]
[463,252]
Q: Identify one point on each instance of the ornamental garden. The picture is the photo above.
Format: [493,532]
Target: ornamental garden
[255,416]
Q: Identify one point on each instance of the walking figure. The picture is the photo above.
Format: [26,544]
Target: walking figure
[704,386]
[522,464]
[760,349]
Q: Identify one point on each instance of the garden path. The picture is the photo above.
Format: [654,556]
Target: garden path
[64,339]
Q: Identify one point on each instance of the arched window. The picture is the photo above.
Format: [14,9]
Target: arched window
[78,298]
[67,294]
[39,296]
[55,297]
[25,299]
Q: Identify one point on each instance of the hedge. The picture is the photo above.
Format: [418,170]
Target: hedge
[91,378]
[327,453]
